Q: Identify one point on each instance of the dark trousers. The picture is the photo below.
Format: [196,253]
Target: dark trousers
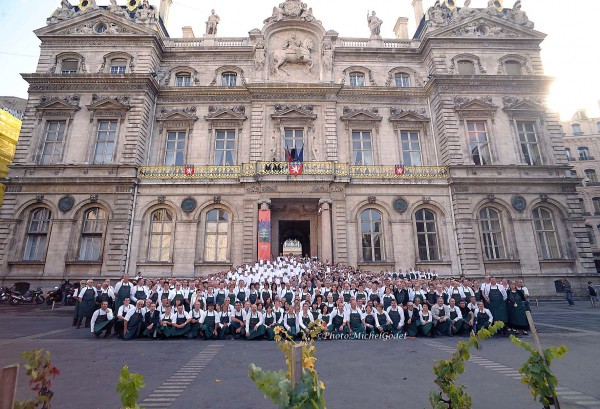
[569,297]
[107,330]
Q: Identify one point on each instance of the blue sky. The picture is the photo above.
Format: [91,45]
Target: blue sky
[570,52]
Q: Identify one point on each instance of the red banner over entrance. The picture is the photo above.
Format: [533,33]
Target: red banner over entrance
[264,234]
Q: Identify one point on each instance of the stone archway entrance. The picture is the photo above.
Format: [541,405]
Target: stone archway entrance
[295,230]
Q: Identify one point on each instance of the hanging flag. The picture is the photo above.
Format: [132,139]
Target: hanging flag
[300,157]
[288,156]
[264,234]
[399,170]
[189,170]
[296,168]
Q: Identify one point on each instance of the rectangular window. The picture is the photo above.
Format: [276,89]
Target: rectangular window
[357,79]
[224,147]
[69,66]
[591,235]
[118,66]
[529,143]
[411,148]
[465,67]
[183,81]
[53,143]
[175,151]
[105,142]
[478,143]
[362,148]
[229,79]
[293,140]
[402,80]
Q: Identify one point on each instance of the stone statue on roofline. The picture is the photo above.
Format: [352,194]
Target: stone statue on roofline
[64,12]
[212,23]
[114,8]
[374,24]
[519,16]
[145,14]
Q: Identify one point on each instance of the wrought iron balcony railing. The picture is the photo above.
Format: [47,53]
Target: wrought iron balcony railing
[263,168]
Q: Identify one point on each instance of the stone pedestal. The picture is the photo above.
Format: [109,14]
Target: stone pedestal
[326,239]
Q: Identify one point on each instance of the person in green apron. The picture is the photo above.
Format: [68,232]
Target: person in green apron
[238,326]
[102,320]
[266,294]
[254,324]
[134,322]
[279,313]
[87,304]
[225,321]
[426,322]
[221,293]
[337,321]
[122,290]
[496,294]
[456,293]
[253,295]
[209,321]
[324,317]
[347,294]
[231,293]
[441,318]
[467,315]
[195,316]
[370,320]
[306,317]
[166,322]
[176,294]
[106,294]
[384,323]
[151,321]
[430,297]
[411,320]
[356,321]
[388,297]
[138,292]
[401,294]
[180,323]
[211,295]
[457,323]
[270,323]
[374,293]
[291,322]
[517,318]
[330,304]
[287,294]
[241,293]
[396,315]
[483,317]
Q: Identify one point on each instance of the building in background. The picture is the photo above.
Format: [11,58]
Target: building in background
[144,152]
[11,115]
[581,136]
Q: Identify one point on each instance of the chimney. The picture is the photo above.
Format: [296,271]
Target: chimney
[188,32]
[401,28]
[163,12]
[419,14]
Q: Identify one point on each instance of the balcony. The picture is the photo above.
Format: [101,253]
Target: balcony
[264,169]
[586,158]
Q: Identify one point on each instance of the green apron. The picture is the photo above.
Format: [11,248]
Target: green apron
[235,325]
[395,318]
[373,297]
[360,296]
[208,327]
[260,331]
[356,324]
[265,296]
[458,325]
[337,321]
[336,296]
[369,319]
[426,328]
[134,326]
[177,332]
[165,331]
[382,318]
[517,318]
[124,291]
[387,301]
[291,322]
[253,297]
[306,321]
[241,296]
[456,297]
[87,304]
[223,332]
[481,321]
[498,306]
[347,297]
[140,294]
[270,331]
[195,327]
[413,328]
[180,296]
[232,298]
[148,333]
[442,327]
[220,298]
[101,323]
[289,296]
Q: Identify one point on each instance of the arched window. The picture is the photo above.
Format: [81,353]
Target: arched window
[590,174]
[161,231]
[183,79]
[543,222]
[216,235]
[492,234]
[427,235]
[229,79]
[357,79]
[402,80]
[90,247]
[512,67]
[371,230]
[37,235]
[465,67]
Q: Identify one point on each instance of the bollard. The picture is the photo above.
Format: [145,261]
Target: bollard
[296,364]
[8,386]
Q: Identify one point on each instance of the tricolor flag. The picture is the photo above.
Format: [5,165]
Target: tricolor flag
[188,170]
[399,170]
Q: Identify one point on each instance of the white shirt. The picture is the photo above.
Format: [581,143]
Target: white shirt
[84,289]
[124,309]
[212,313]
[490,317]
[176,315]
[135,289]
[490,287]
[425,321]
[285,322]
[97,313]
[133,311]
[458,313]
[400,311]
[253,315]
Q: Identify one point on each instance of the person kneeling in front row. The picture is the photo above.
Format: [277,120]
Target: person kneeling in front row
[102,320]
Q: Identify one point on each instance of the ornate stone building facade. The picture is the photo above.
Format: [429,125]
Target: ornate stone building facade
[142,152]
[581,135]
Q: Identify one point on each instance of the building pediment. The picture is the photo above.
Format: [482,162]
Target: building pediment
[361,115]
[294,112]
[69,103]
[99,22]
[177,117]
[111,103]
[221,116]
[523,106]
[407,115]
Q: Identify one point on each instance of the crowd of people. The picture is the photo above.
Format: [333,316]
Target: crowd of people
[250,301]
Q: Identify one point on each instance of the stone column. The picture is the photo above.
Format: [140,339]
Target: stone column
[326,239]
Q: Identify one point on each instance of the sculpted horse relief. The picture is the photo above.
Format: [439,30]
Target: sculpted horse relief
[294,51]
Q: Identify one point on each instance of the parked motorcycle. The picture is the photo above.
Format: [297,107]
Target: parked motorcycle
[18,296]
[56,296]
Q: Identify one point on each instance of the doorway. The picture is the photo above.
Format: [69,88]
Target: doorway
[295,231]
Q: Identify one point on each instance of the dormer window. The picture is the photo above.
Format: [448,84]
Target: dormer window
[465,67]
[576,129]
[118,66]
[183,80]
[402,80]
[229,79]
[69,66]
[357,79]
[512,67]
